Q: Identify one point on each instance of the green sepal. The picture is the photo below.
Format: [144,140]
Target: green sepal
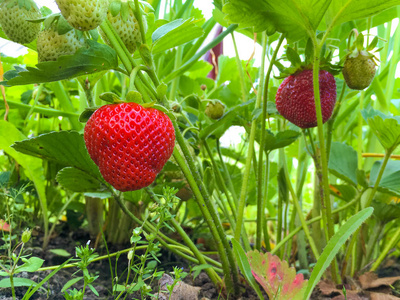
[58,22]
[115,8]
[161,90]
[87,113]
[373,44]
[124,11]
[359,43]
[110,97]
[134,96]
[293,57]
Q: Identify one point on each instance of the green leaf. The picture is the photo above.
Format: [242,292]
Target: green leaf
[280,140]
[197,269]
[79,181]
[30,265]
[333,247]
[349,10]
[294,18]
[386,128]
[343,162]
[46,279]
[175,33]
[390,181]
[345,192]
[65,147]
[70,283]
[60,252]
[32,166]
[244,267]
[94,58]
[386,212]
[5,283]
[250,13]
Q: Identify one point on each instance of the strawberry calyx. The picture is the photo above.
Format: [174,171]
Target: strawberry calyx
[356,48]
[298,65]
[25,4]
[111,98]
[123,6]
[58,23]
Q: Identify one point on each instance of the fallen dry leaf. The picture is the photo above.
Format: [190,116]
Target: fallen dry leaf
[370,280]
[328,288]
[380,296]
[351,295]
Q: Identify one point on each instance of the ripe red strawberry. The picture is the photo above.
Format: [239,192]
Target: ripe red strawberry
[295,98]
[129,143]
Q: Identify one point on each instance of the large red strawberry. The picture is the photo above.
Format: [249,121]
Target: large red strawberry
[295,98]
[129,143]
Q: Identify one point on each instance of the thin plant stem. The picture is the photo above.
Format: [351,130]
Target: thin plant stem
[175,81]
[373,239]
[263,88]
[265,221]
[325,199]
[211,273]
[132,76]
[36,100]
[211,222]
[331,121]
[379,177]
[392,243]
[227,174]
[139,18]
[360,132]
[220,178]
[299,212]
[227,195]
[240,69]
[313,220]
[41,110]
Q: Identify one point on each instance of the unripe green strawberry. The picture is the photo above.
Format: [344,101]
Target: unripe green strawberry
[215,109]
[295,98]
[13,20]
[51,45]
[359,70]
[82,14]
[128,30]
[129,143]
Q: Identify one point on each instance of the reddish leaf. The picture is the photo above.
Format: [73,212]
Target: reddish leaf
[4,226]
[276,277]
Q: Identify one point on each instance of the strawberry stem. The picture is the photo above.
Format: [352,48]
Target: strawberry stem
[322,170]
[210,271]
[264,84]
[210,213]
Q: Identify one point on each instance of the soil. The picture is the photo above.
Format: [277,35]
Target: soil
[67,240]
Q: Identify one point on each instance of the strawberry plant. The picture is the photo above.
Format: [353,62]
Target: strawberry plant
[117,120]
